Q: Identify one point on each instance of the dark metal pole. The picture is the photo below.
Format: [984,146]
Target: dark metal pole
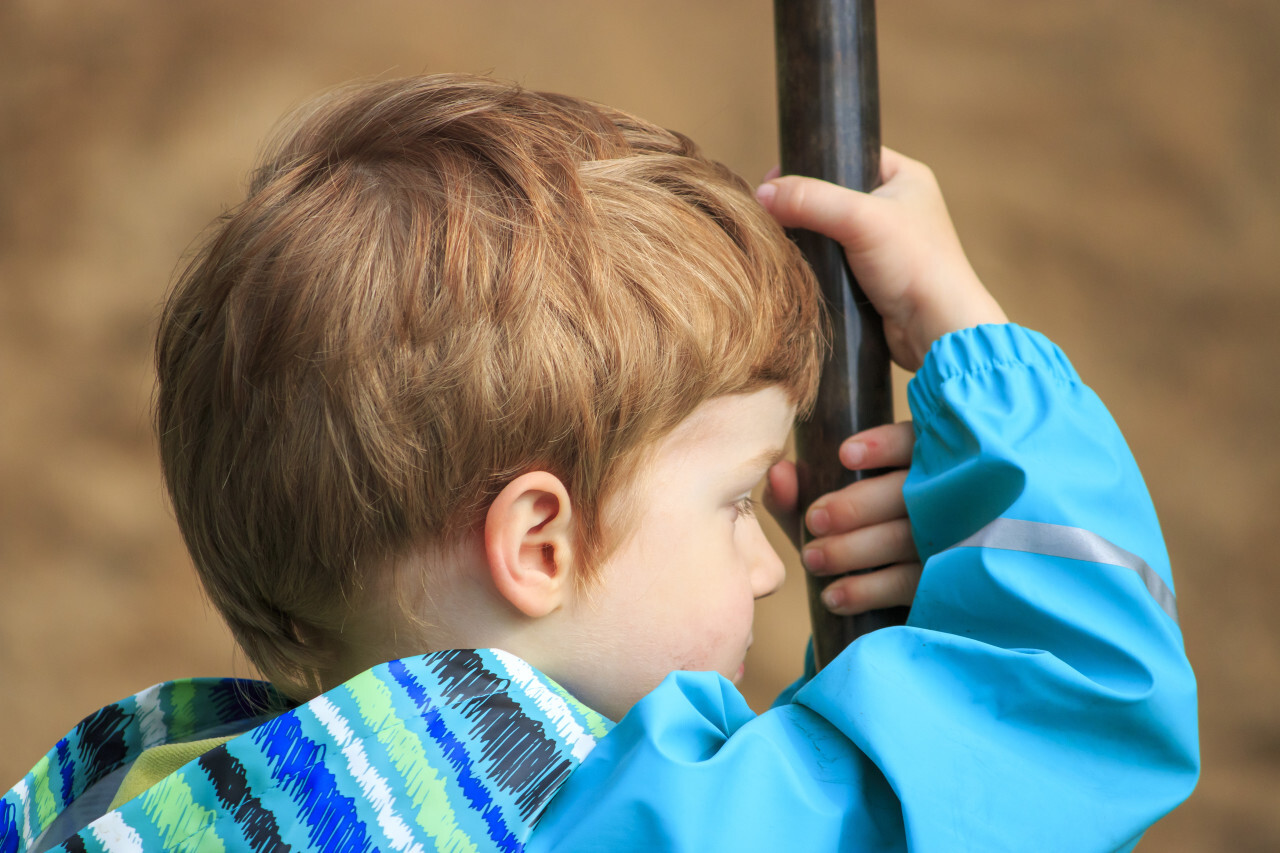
[829,117]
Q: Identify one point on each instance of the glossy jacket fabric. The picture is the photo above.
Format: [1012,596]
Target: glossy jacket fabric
[1038,699]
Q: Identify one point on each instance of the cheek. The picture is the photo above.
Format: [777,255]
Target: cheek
[725,620]
[691,601]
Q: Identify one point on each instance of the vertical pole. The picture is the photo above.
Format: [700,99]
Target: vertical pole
[829,119]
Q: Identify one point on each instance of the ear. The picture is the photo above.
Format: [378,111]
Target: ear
[528,541]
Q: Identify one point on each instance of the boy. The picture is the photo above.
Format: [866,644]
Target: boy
[461,412]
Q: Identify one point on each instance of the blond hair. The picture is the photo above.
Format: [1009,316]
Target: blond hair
[435,285]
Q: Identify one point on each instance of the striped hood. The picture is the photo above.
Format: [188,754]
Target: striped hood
[458,750]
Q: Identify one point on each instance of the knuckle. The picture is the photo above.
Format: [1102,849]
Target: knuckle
[793,196]
[856,596]
[905,581]
[838,555]
[901,587]
[904,437]
[904,541]
[924,171]
[846,513]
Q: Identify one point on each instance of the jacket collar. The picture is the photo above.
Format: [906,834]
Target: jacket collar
[462,747]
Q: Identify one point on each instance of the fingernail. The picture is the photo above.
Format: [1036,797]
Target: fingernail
[852,453]
[814,559]
[833,597]
[765,193]
[819,521]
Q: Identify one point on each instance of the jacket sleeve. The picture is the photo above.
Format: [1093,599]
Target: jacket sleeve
[1039,697]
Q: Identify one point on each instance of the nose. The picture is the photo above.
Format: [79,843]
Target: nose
[767,569]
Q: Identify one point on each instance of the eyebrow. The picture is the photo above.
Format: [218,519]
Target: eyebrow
[766,460]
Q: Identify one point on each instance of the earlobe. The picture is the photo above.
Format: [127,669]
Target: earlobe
[528,542]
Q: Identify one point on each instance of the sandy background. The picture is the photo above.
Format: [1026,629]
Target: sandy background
[1112,168]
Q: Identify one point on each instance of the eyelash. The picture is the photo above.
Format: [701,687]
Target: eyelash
[745,507]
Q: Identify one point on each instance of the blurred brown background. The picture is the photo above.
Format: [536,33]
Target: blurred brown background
[1112,169]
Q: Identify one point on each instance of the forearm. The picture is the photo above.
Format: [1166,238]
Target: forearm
[1031,513]
[1040,690]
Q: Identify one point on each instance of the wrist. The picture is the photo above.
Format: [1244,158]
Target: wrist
[960,308]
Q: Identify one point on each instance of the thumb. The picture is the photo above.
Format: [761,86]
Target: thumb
[842,214]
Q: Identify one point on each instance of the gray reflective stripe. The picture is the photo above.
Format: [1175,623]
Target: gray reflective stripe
[1074,543]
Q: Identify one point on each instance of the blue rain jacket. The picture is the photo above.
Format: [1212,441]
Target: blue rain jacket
[1038,698]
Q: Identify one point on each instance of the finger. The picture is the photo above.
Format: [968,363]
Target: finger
[771,174]
[839,213]
[868,502]
[887,446]
[781,497]
[892,586]
[781,488]
[891,163]
[894,164]
[865,548]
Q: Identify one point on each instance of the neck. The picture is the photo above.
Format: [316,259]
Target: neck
[432,600]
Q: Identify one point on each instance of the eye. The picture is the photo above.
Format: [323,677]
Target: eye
[744,508]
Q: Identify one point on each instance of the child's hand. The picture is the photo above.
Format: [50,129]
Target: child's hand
[862,526]
[901,247]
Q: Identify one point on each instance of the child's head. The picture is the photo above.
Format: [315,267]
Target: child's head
[437,285]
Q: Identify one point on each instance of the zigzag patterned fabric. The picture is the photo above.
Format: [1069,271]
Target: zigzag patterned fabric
[451,751]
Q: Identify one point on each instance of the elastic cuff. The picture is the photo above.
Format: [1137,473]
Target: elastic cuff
[979,350]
